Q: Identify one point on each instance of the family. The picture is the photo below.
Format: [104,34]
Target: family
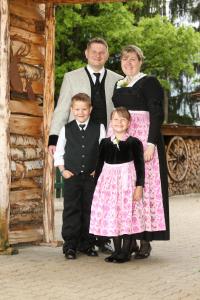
[106,139]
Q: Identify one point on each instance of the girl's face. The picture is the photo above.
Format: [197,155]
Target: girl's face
[130,64]
[119,123]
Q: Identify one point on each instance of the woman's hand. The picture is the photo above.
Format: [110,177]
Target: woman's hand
[67,174]
[149,152]
[137,196]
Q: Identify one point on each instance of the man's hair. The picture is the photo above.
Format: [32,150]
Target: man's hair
[121,111]
[81,97]
[133,49]
[97,40]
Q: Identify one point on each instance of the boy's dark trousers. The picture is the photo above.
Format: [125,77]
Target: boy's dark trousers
[78,194]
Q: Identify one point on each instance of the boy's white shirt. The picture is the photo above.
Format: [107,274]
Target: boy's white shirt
[60,147]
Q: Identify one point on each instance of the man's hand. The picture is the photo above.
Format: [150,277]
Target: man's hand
[52,149]
[137,196]
[67,174]
[149,152]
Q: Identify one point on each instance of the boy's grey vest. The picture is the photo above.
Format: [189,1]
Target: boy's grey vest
[82,147]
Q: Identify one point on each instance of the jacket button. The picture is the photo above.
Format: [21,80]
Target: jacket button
[83,146]
[83,155]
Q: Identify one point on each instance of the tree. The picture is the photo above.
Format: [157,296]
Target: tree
[170,51]
[75,25]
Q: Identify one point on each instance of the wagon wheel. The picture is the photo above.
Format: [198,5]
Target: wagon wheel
[177,158]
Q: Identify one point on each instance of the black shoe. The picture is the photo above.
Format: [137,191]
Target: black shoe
[111,258]
[91,252]
[122,258]
[106,248]
[70,254]
[144,252]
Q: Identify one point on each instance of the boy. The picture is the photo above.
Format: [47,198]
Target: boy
[76,156]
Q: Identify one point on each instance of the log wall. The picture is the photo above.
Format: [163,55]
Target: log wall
[27,34]
[191,182]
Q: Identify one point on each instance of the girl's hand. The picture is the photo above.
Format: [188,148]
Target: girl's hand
[149,152]
[137,196]
[67,174]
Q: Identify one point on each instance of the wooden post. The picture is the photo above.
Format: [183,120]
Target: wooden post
[4,123]
[48,186]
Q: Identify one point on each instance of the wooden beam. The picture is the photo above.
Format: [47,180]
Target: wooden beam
[4,121]
[77,1]
[180,130]
[48,107]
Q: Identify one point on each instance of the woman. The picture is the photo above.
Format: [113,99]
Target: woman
[143,95]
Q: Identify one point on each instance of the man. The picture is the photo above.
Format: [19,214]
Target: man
[94,80]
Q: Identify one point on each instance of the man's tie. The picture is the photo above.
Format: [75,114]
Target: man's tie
[97,82]
[82,126]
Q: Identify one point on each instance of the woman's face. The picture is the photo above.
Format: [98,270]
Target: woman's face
[130,63]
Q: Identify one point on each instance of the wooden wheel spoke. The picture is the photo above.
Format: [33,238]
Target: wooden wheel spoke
[177,158]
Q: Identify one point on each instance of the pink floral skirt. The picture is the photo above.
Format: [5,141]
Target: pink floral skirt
[113,208]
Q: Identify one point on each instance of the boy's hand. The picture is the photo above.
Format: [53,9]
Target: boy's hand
[67,174]
[137,196]
[92,174]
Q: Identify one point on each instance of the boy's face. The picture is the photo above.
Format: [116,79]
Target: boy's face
[81,111]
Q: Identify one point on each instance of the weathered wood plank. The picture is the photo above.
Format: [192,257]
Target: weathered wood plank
[25,236]
[20,124]
[48,111]
[4,121]
[26,36]
[24,183]
[27,169]
[28,107]
[35,56]
[36,26]
[26,154]
[25,195]
[25,141]
[26,9]
[181,130]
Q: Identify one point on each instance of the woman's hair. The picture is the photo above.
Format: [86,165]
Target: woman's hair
[81,97]
[121,111]
[131,49]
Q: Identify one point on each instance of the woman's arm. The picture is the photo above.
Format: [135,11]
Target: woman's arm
[153,93]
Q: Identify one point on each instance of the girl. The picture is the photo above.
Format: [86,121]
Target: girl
[116,206]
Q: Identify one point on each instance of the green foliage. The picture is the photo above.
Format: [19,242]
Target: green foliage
[170,51]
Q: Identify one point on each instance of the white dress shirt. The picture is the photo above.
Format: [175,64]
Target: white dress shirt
[91,71]
[60,147]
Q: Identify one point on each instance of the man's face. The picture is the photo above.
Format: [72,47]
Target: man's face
[97,55]
[81,111]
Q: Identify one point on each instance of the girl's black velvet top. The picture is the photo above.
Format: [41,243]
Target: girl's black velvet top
[129,150]
[145,95]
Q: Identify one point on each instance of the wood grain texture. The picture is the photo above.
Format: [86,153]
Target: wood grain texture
[31,126]
[27,107]
[25,236]
[48,111]
[4,121]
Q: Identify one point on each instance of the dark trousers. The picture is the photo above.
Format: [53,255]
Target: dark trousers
[78,194]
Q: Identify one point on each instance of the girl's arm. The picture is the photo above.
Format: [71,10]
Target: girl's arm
[101,159]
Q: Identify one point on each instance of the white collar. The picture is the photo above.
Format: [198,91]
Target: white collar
[136,78]
[91,71]
[85,123]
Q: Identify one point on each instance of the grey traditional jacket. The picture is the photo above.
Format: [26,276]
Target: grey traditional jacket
[75,82]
